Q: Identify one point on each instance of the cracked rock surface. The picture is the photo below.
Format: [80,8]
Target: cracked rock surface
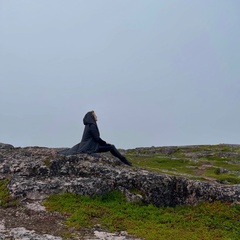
[36,172]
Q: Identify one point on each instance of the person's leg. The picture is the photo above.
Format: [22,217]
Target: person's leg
[110,148]
[114,152]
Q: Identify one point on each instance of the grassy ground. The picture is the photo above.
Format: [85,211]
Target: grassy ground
[205,221]
[218,162]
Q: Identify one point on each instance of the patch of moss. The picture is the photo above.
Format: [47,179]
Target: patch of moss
[47,162]
[229,178]
[181,161]
[4,194]
[5,199]
[205,221]
[159,163]
[67,235]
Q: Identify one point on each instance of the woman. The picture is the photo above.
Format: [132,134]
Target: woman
[91,141]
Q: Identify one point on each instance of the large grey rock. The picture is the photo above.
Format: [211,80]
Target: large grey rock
[6,146]
[37,172]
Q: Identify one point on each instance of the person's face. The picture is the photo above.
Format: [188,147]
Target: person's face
[95,116]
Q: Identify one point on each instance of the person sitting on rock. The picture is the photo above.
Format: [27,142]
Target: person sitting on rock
[91,141]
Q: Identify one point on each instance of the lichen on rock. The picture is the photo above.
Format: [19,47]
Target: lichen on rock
[36,172]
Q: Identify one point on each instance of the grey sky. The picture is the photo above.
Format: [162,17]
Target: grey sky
[156,72]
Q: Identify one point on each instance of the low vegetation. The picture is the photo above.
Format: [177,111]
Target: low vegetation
[219,163]
[5,198]
[217,220]
[205,221]
[4,195]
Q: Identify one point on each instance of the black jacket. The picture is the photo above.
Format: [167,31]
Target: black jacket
[90,140]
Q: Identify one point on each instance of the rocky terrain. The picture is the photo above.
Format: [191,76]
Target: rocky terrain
[33,173]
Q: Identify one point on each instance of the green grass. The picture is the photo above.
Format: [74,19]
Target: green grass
[195,161]
[205,221]
[4,195]
[5,198]
[222,177]
[159,163]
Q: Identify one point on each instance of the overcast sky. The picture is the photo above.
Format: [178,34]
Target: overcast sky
[157,73]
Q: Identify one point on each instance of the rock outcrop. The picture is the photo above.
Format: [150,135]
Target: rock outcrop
[36,172]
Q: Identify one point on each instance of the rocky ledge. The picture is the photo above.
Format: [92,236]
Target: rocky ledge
[36,172]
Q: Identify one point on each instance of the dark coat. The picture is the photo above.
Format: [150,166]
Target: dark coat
[90,140]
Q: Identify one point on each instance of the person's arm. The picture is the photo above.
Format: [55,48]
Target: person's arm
[95,134]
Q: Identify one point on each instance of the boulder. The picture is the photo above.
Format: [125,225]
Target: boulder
[6,146]
[35,172]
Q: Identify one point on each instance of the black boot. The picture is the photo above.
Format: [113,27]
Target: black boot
[124,160]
